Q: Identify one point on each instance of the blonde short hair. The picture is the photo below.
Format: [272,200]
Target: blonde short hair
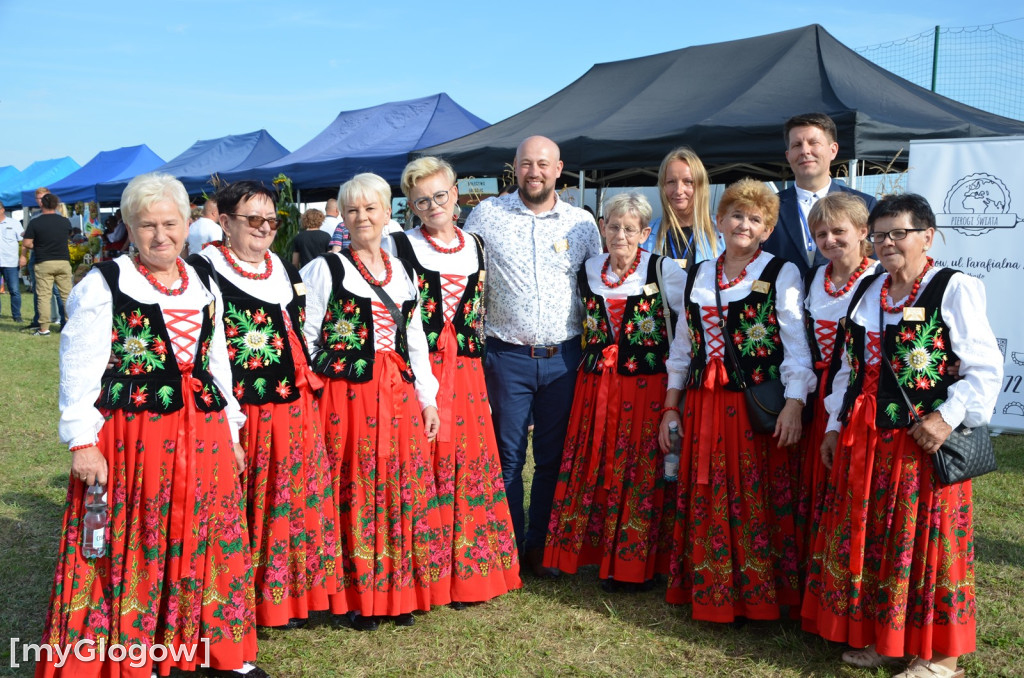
[422,168]
[368,186]
[146,190]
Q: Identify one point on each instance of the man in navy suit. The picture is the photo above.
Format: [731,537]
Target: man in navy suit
[810,149]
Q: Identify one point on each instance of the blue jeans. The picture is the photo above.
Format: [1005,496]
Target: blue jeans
[518,385]
[10,275]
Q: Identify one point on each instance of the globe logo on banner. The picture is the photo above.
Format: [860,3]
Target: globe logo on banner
[975,205]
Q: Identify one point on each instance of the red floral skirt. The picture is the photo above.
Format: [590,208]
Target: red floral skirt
[812,477]
[476,527]
[734,551]
[178,568]
[292,514]
[611,494]
[893,558]
[388,523]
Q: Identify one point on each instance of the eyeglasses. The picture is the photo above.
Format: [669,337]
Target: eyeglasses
[628,230]
[877,237]
[440,198]
[256,221]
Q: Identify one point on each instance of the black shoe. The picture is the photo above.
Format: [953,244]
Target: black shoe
[30,328]
[292,624]
[534,560]
[363,623]
[611,586]
[458,605]
[254,672]
[405,619]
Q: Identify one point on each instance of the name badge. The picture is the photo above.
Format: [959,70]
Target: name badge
[914,314]
[483,274]
[562,245]
[211,309]
[842,322]
[650,288]
[761,287]
[681,262]
[300,289]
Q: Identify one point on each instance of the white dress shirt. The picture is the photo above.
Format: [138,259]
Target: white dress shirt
[11,233]
[532,297]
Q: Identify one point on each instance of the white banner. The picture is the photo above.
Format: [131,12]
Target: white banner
[976,188]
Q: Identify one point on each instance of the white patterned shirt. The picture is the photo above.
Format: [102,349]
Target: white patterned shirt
[532,297]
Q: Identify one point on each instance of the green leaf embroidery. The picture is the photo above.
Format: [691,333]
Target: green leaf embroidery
[115,391]
[260,385]
[164,393]
[359,366]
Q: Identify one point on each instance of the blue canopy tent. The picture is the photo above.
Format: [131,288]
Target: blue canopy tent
[376,139]
[207,157]
[123,163]
[39,173]
[10,176]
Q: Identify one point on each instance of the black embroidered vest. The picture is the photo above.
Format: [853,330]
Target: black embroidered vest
[468,319]
[145,376]
[346,332]
[751,324]
[642,335]
[919,352]
[262,367]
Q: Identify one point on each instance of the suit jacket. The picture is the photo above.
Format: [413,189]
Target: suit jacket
[787,241]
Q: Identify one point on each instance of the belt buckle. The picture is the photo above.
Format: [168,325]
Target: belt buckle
[543,351]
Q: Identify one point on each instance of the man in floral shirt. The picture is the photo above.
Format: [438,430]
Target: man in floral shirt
[535,243]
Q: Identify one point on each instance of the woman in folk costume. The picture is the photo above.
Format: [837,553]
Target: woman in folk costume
[892,569]
[365,334]
[476,528]
[287,484]
[734,551]
[610,503]
[839,225]
[147,410]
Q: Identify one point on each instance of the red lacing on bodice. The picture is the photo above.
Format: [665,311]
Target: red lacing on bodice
[616,309]
[712,334]
[383,327]
[183,330]
[452,286]
[825,333]
[873,362]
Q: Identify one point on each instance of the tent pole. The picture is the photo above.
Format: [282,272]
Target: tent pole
[852,172]
[583,188]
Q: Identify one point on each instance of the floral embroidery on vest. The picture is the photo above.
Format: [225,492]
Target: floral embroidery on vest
[344,329]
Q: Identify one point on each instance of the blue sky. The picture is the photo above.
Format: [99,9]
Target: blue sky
[80,78]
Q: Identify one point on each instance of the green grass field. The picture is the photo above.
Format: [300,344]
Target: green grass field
[561,628]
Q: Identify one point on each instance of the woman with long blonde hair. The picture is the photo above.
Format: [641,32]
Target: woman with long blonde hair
[685,230]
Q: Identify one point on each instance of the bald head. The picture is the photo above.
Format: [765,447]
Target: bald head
[331,208]
[210,210]
[538,166]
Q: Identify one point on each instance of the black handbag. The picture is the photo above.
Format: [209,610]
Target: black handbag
[966,453]
[765,400]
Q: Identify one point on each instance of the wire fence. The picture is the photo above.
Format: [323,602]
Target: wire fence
[977,66]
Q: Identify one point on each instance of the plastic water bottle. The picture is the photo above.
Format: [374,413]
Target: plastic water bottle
[94,525]
[672,457]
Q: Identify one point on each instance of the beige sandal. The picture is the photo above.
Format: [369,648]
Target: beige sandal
[868,658]
[922,668]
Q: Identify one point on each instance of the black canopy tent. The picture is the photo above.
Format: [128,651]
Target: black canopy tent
[728,101]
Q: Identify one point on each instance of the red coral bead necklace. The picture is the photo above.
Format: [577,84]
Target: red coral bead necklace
[830,287]
[720,271]
[913,291]
[444,250]
[367,276]
[632,269]
[228,257]
[159,286]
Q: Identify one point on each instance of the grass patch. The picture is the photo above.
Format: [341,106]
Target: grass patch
[563,628]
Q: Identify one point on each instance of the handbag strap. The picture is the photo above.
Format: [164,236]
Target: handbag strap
[729,348]
[881,336]
[396,315]
[664,297]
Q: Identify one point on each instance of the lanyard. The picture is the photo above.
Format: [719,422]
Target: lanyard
[808,239]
